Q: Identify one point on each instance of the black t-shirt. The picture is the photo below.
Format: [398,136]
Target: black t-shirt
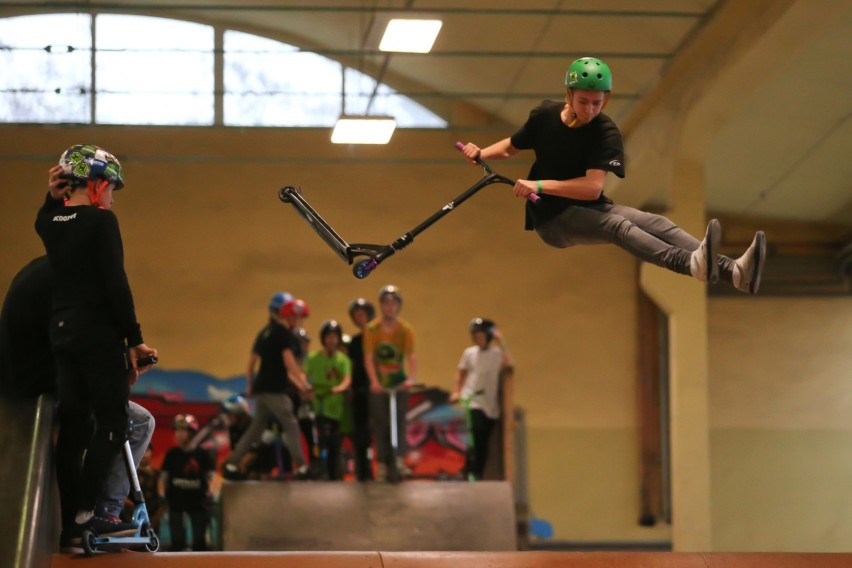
[269,346]
[563,153]
[27,367]
[86,256]
[187,471]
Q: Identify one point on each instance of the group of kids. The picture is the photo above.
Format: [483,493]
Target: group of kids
[69,323]
[308,396]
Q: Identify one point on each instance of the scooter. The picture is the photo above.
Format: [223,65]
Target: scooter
[366,257]
[144,538]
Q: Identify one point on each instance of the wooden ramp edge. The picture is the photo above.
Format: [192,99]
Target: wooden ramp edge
[455,559]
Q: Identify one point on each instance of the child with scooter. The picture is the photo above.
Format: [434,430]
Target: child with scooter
[329,372]
[391,366]
[477,385]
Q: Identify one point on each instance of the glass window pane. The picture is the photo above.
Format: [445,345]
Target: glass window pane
[142,81]
[269,83]
[45,72]
[408,113]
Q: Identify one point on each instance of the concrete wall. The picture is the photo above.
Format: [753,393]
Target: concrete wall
[781,417]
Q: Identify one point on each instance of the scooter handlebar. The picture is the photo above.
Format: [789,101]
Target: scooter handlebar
[533,197]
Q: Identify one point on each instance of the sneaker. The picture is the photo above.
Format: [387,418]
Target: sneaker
[704,264]
[303,473]
[749,267]
[69,541]
[232,472]
[107,526]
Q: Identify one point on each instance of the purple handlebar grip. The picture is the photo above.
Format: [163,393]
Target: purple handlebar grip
[459,146]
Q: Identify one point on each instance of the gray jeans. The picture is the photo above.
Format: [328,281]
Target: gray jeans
[268,406]
[647,236]
[118,483]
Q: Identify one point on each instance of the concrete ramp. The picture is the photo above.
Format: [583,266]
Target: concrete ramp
[337,516]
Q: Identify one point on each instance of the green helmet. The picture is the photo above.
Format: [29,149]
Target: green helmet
[589,73]
[85,162]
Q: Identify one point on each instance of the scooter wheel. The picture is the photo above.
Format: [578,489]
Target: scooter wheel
[284,193]
[363,269]
[87,539]
[153,541]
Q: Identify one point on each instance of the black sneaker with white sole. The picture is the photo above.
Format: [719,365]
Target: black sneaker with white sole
[107,526]
[69,541]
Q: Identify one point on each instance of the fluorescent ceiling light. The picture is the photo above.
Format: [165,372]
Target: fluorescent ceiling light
[409,35]
[363,130]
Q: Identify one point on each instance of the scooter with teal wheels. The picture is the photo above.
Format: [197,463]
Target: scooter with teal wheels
[144,538]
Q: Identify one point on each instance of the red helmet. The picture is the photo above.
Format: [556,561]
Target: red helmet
[295,307]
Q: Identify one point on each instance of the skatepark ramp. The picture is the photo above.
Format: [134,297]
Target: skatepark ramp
[414,515]
[29,524]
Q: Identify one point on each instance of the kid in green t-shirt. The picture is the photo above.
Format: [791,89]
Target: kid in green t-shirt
[329,372]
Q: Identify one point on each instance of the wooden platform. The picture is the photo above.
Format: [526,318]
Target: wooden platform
[455,560]
[415,515]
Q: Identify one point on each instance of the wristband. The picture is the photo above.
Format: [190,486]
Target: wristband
[539,188]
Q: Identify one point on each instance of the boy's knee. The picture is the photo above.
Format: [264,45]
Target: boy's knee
[112,428]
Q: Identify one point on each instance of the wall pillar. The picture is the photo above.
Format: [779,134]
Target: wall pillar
[685,302]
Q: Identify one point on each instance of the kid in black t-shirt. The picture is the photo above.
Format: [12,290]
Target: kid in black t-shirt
[575,147]
[185,478]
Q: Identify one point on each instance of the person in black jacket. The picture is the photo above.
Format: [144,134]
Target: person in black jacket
[361,311]
[272,367]
[576,146]
[94,334]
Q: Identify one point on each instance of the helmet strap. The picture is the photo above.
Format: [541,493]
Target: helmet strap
[96,190]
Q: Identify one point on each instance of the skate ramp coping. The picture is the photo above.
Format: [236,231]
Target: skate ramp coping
[456,559]
[29,524]
[339,516]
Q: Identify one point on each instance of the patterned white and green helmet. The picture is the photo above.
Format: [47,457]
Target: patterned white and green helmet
[86,162]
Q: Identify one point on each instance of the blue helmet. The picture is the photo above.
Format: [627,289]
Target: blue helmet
[277,301]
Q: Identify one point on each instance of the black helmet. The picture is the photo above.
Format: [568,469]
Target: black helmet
[390,290]
[302,334]
[362,304]
[331,326]
[482,324]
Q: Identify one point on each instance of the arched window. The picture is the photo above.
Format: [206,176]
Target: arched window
[105,69]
